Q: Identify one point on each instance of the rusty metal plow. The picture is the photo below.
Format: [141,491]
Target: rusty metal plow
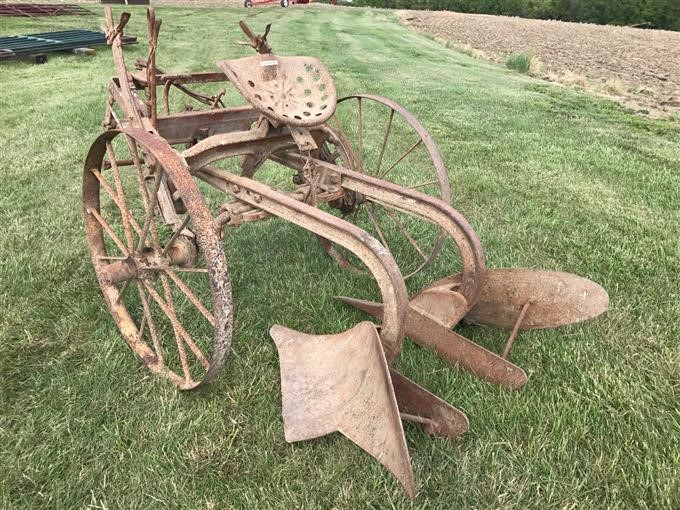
[153,200]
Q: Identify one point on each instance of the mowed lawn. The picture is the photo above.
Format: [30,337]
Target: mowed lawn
[549,177]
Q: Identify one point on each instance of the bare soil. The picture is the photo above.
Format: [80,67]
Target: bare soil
[638,67]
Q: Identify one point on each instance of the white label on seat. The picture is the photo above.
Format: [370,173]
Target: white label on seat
[267,63]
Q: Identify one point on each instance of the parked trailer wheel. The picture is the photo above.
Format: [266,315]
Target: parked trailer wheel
[378,137]
[166,286]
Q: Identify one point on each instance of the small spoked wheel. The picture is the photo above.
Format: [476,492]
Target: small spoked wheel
[163,274]
[284,3]
[376,136]
[248,3]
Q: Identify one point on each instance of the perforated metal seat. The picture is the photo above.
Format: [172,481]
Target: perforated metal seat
[296,91]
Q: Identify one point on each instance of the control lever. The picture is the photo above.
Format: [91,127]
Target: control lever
[259,42]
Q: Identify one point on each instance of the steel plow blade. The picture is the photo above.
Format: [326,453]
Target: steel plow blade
[342,383]
[441,304]
[419,405]
[552,299]
[454,348]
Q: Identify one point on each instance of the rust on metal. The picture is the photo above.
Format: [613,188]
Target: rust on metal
[419,405]
[515,329]
[452,347]
[556,298]
[292,91]
[157,249]
[32,10]
[437,176]
[342,383]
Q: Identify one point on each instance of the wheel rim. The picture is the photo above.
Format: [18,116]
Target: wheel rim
[380,138]
[166,286]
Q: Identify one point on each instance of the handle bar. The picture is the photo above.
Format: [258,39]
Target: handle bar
[259,42]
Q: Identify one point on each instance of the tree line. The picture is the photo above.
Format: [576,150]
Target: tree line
[664,14]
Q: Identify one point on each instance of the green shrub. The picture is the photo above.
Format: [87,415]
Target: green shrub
[519,62]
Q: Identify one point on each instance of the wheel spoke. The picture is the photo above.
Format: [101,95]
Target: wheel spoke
[122,292]
[374,221]
[175,323]
[360,136]
[134,152]
[409,151]
[384,145]
[124,211]
[176,234]
[423,184]
[115,200]
[391,215]
[173,319]
[148,318]
[140,330]
[151,210]
[177,269]
[342,138]
[132,145]
[107,228]
[191,296]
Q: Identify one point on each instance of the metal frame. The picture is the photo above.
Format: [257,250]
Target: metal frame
[172,152]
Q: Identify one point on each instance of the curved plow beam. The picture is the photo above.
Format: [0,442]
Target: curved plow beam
[418,204]
[376,257]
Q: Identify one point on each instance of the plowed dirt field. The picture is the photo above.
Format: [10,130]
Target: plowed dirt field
[638,67]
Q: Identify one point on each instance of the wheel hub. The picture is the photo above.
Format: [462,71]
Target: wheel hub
[182,253]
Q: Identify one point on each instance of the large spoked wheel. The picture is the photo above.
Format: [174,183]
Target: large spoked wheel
[378,137]
[166,285]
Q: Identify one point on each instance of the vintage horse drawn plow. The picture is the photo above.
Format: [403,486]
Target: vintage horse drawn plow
[154,189]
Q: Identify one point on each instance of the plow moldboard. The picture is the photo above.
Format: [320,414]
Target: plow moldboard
[555,299]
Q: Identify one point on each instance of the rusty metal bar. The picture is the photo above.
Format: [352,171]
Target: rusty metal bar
[182,78]
[33,10]
[153,27]
[515,329]
[454,348]
[369,250]
[419,204]
[183,127]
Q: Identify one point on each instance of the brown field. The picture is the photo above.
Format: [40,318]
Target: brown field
[638,67]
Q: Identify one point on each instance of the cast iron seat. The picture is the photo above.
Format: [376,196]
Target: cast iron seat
[294,91]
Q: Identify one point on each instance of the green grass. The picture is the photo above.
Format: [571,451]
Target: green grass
[520,62]
[549,178]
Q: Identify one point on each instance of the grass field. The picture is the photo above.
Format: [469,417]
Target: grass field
[549,178]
